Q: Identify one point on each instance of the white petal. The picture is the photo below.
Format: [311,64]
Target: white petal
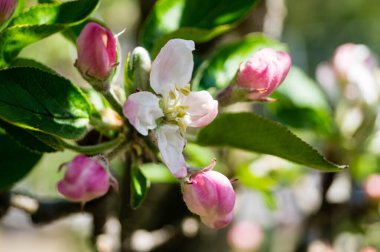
[171,144]
[142,110]
[202,108]
[173,65]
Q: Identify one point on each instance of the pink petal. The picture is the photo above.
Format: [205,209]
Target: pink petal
[142,110]
[202,108]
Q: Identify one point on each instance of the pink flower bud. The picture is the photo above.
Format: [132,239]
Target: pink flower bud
[86,178]
[263,72]
[372,186]
[96,53]
[7,8]
[210,195]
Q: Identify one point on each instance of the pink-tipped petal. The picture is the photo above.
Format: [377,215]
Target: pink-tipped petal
[142,109]
[173,66]
[202,108]
[171,144]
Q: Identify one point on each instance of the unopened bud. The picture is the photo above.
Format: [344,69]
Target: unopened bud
[97,54]
[210,195]
[137,70]
[7,7]
[85,179]
[263,72]
[258,77]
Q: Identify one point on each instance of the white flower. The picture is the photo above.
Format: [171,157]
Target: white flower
[174,104]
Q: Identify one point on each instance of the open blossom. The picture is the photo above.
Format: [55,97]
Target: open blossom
[263,72]
[86,178]
[210,195]
[355,66]
[173,107]
[7,8]
[97,53]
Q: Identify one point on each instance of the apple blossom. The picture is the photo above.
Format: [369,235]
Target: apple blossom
[97,53]
[7,7]
[86,178]
[210,195]
[173,107]
[355,66]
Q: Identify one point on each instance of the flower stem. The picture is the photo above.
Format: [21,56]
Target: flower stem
[95,149]
[113,101]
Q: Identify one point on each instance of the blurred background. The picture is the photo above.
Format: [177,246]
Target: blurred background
[281,207]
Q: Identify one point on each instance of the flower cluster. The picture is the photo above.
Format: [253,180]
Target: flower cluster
[172,107]
[165,110]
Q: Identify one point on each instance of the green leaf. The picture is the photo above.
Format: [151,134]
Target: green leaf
[37,100]
[191,19]
[25,62]
[34,141]
[15,161]
[219,69]
[301,103]
[39,22]
[251,132]
[139,187]
[158,173]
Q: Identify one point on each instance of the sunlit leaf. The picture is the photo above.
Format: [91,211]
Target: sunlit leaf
[34,99]
[191,19]
[251,132]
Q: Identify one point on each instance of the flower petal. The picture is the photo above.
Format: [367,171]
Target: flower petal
[202,108]
[142,110]
[172,66]
[171,144]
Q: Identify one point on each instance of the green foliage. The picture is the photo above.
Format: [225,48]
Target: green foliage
[139,187]
[251,132]
[34,141]
[220,68]
[34,99]
[15,161]
[158,173]
[39,22]
[301,104]
[197,20]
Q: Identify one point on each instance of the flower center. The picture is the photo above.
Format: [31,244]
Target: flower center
[174,111]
